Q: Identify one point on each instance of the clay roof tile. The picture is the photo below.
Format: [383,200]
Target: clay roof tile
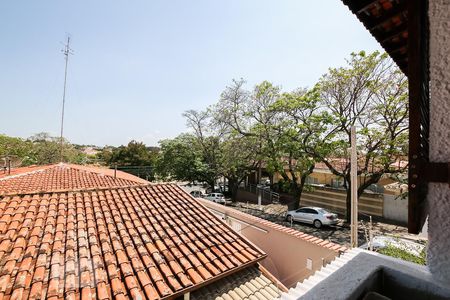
[114,242]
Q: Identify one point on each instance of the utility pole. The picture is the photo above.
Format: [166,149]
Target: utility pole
[66,51]
[354,189]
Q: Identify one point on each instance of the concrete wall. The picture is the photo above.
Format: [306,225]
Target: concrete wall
[335,200]
[395,208]
[439,194]
[291,258]
[245,196]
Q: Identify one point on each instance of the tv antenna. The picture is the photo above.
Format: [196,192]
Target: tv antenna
[66,51]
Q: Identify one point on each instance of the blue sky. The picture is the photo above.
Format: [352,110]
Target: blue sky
[139,64]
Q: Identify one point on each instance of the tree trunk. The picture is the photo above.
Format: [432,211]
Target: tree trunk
[295,191]
[211,184]
[233,186]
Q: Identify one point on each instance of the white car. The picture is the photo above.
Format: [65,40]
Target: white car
[312,215]
[217,197]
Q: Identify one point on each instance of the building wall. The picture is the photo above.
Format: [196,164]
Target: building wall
[395,208]
[290,258]
[439,194]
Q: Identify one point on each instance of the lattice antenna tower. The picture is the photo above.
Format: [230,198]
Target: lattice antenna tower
[66,51]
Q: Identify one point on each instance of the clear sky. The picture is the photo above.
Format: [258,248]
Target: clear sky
[139,64]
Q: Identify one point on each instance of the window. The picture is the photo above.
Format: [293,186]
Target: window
[311,180]
[337,182]
[310,211]
[236,226]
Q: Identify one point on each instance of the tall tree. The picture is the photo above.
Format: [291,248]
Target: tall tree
[301,130]
[180,159]
[207,140]
[370,94]
[282,124]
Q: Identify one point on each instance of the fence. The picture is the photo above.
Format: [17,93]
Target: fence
[145,172]
[373,204]
[335,200]
[267,196]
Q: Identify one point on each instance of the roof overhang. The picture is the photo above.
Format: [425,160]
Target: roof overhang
[387,21]
[402,29]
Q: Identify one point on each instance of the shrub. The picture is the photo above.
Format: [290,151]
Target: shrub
[405,255]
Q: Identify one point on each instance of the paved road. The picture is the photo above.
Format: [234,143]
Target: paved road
[339,234]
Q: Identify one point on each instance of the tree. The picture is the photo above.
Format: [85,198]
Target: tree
[302,129]
[282,124]
[135,158]
[15,149]
[207,141]
[371,94]
[237,160]
[181,159]
[133,154]
[46,149]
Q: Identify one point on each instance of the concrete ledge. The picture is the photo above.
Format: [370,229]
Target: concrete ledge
[369,271]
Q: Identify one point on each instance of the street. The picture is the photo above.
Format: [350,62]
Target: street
[339,234]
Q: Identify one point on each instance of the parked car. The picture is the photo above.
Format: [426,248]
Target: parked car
[316,216]
[197,194]
[217,197]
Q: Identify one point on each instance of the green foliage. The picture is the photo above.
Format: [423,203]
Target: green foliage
[130,157]
[287,132]
[133,154]
[39,149]
[284,127]
[181,159]
[371,94]
[17,149]
[405,255]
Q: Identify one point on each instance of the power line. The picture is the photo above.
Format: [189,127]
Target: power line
[66,51]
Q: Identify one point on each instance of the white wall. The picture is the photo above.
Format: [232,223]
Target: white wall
[439,194]
[292,257]
[395,208]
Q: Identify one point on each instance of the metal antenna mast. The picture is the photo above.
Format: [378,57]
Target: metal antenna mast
[66,51]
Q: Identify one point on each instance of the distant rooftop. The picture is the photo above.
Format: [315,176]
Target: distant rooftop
[62,176]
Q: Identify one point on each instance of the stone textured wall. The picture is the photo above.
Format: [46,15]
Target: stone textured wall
[439,194]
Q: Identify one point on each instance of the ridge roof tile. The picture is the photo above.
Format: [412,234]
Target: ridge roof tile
[61,177]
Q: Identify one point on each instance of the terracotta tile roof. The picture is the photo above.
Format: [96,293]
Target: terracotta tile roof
[20,170]
[63,177]
[249,283]
[146,241]
[340,164]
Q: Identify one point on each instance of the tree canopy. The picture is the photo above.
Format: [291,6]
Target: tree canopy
[289,132]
